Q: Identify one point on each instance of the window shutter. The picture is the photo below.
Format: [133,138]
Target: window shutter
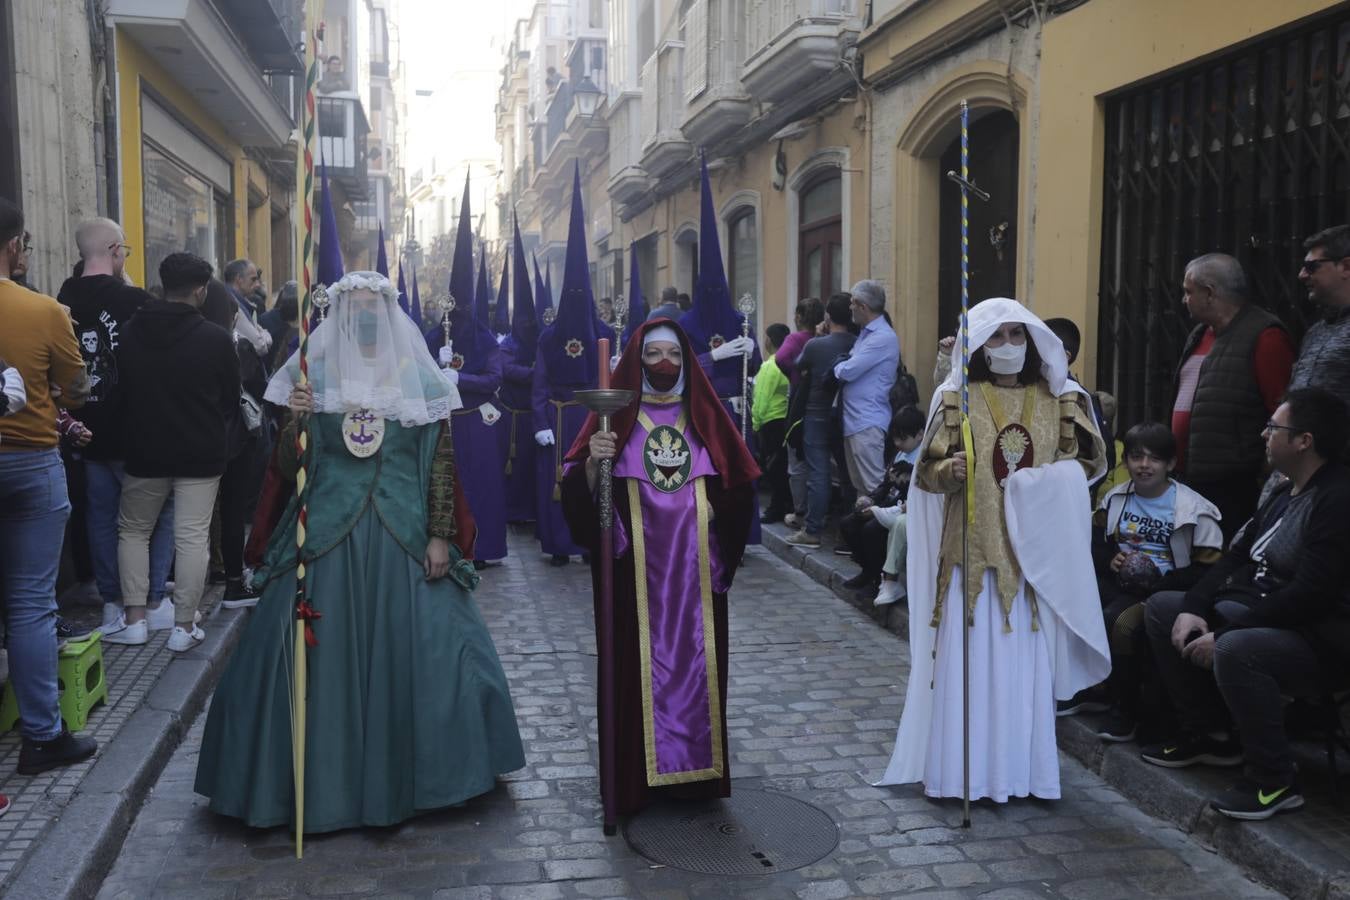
[696,50]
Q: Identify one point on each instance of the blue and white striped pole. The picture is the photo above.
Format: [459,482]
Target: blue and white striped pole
[966,445]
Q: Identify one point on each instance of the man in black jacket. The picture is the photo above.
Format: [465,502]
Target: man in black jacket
[180,381]
[101,303]
[1272,618]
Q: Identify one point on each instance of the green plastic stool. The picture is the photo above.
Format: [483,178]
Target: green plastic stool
[80,679]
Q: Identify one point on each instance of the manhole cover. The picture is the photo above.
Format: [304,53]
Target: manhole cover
[749,833]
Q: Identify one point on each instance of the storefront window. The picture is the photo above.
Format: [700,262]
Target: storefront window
[180,212]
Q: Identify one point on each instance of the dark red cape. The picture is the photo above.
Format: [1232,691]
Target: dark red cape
[719,434]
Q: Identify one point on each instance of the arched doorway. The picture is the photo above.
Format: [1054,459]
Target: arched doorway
[994,140]
[821,237]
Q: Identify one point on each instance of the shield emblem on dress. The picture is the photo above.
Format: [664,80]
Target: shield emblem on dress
[1012,451]
[363,433]
[457,361]
[716,341]
[666,459]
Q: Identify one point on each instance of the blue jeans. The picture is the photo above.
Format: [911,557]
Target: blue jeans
[34,507]
[816,447]
[103,490]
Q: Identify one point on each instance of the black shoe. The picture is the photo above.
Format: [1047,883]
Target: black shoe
[239,597]
[1188,751]
[1252,802]
[66,749]
[1089,700]
[479,565]
[771,517]
[559,560]
[861,581]
[67,630]
[1118,728]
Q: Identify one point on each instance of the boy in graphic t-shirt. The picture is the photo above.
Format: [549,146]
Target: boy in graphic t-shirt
[1150,534]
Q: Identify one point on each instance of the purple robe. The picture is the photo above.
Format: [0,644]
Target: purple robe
[478,455]
[517,438]
[727,387]
[670,618]
[555,409]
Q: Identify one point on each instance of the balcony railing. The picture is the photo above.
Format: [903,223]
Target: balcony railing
[342,143]
[666,146]
[769,20]
[627,179]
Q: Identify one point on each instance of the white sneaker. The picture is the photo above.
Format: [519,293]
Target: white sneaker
[160,617]
[112,616]
[890,592]
[134,634]
[181,640]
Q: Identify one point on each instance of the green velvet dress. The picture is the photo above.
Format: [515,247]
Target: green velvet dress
[408,706]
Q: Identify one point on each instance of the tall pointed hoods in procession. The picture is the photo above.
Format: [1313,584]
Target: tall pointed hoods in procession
[524,316]
[548,283]
[482,299]
[543,300]
[402,289]
[329,270]
[468,331]
[381,258]
[501,315]
[713,319]
[637,308]
[568,345]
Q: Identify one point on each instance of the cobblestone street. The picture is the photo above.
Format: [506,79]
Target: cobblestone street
[814,700]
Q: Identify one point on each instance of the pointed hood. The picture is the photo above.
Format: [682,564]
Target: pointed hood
[482,301]
[470,335]
[381,260]
[713,319]
[548,281]
[637,306]
[416,311]
[524,338]
[542,301]
[329,269]
[568,345]
[501,315]
[402,289]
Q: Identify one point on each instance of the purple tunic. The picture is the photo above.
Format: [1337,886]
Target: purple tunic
[478,456]
[554,409]
[728,387]
[517,437]
[684,730]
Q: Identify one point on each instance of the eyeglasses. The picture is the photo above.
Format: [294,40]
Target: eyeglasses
[1271,426]
[1312,265]
[124,247]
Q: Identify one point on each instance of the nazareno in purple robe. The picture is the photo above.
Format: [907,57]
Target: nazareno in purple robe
[478,455]
[553,406]
[517,437]
[671,722]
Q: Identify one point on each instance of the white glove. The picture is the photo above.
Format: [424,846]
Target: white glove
[741,346]
[544,438]
[445,355]
[452,375]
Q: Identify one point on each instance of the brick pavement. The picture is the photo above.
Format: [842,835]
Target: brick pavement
[814,699]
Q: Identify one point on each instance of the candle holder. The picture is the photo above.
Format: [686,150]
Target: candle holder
[746,306]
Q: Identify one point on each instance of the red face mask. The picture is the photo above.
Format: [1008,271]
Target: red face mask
[663,375]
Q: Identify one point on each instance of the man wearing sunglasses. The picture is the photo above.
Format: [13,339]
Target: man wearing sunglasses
[1324,359]
[1271,619]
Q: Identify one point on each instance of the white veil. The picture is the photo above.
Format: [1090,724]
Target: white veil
[369,355]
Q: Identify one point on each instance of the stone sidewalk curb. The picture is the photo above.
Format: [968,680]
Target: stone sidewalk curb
[1271,851]
[77,852]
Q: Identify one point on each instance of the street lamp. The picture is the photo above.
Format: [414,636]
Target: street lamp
[587,97]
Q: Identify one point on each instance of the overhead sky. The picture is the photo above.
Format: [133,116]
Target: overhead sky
[455,50]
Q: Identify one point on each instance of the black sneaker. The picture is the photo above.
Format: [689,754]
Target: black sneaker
[66,749]
[1089,700]
[1117,728]
[239,597]
[67,630]
[558,560]
[1250,801]
[1188,751]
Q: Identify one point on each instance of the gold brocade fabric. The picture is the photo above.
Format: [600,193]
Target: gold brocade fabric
[1060,428]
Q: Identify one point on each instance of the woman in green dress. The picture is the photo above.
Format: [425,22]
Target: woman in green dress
[408,707]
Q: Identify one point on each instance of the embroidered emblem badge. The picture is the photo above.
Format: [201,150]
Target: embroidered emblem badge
[457,361]
[716,341]
[573,348]
[1012,451]
[363,433]
[666,459]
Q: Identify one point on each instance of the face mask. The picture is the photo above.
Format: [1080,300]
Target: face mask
[367,327]
[662,375]
[1006,360]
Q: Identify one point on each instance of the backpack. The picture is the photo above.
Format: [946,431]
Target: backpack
[905,391]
